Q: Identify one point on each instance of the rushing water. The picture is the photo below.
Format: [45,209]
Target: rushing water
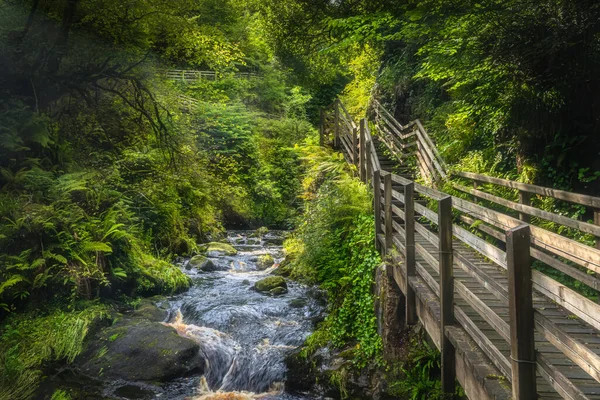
[243,335]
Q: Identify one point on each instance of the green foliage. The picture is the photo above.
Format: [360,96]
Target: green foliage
[29,341]
[333,246]
[417,376]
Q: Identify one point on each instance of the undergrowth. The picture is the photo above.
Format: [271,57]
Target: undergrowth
[333,246]
[32,340]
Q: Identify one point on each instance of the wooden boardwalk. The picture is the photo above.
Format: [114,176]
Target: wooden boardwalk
[509,330]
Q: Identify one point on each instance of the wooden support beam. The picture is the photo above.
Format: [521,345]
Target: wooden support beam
[387,192]
[446,293]
[377,205]
[362,157]
[409,245]
[525,199]
[520,308]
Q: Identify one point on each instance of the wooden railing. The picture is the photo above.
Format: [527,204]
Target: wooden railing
[191,75]
[443,247]
[410,142]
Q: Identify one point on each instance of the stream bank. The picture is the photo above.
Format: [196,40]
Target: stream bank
[225,336]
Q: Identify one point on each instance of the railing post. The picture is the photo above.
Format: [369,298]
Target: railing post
[409,245]
[525,199]
[377,205]
[336,126]
[387,187]
[446,293]
[597,222]
[520,308]
[355,147]
[369,165]
[362,152]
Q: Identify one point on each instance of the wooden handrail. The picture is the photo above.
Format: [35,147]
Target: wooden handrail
[576,198]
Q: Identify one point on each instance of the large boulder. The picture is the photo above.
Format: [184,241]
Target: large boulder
[265,261]
[137,349]
[217,249]
[274,285]
[202,263]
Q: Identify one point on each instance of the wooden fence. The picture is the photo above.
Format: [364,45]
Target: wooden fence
[188,76]
[466,273]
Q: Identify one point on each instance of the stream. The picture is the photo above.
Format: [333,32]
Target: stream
[243,335]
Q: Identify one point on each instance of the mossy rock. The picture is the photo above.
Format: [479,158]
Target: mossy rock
[262,231]
[147,309]
[297,303]
[202,263]
[139,350]
[269,283]
[216,249]
[278,291]
[265,261]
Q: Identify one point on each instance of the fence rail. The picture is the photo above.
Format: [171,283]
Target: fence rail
[466,271]
[192,75]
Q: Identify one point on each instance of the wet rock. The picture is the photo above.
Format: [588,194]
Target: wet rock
[137,349]
[265,261]
[147,309]
[274,241]
[202,264]
[245,282]
[217,249]
[284,268]
[262,231]
[297,303]
[253,241]
[278,291]
[269,283]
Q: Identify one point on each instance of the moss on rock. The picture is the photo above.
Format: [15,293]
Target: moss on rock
[269,283]
[265,261]
[216,249]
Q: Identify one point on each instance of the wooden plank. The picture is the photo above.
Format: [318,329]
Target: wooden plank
[336,125]
[346,114]
[355,147]
[431,144]
[579,305]
[571,347]
[497,323]
[590,280]
[520,305]
[362,150]
[536,212]
[409,245]
[446,293]
[387,193]
[483,247]
[430,154]
[379,107]
[377,203]
[577,198]
[484,343]
[565,388]
[585,256]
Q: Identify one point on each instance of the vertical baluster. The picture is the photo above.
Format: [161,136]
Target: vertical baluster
[446,293]
[387,187]
[409,245]
[520,308]
[362,152]
[377,205]
[525,199]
